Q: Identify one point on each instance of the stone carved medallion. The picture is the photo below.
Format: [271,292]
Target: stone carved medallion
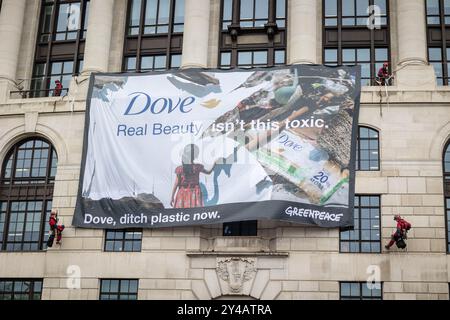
[235,271]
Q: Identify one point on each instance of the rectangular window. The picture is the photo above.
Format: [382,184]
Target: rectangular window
[123,240]
[62,33]
[154,36]
[153,63]
[351,38]
[253,33]
[119,289]
[254,13]
[241,229]
[27,228]
[365,57]
[435,59]
[20,289]
[25,220]
[434,10]
[159,17]
[365,237]
[438,22]
[361,291]
[250,59]
[68,21]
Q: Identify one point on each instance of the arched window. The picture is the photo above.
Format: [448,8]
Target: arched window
[367,150]
[446,170]
[26,191]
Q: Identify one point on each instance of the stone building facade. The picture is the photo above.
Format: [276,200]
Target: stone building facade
[283,261]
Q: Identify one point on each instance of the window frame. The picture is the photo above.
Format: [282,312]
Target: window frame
[360,297]
[119,293]
[443,29]
[339,29]
[359,240]
[228,38]
[141,44]
[358,149]
[67,50]
[35,190]
[123,240]
[32,292]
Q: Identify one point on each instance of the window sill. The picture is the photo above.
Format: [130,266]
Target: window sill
[238,244]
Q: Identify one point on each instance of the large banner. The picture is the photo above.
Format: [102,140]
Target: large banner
[193,147]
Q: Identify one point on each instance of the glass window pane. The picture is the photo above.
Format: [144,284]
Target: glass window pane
[280,57]
[354,289]
[281,9]
[348,55]
[365,70]
[160,62]
[437,68]
[131,63]
[163,15]
[246,9]
[135,12]
[147,63]
[63,15]
[345,289]
[260,57]
[114,286]
[331,55]
[381,4]
[433,7]
[435,54]
[244,58]
[150,12]
[381,54]
[361,7]
[348,7]
[175,61]
[227,10]
[179,11]
[261,9]
[348,21]
[363,54]
[68,67]
[225,58]
[56,68]
[330,8]
[47,19]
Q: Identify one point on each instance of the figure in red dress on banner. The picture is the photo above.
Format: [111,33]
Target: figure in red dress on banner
[186,192]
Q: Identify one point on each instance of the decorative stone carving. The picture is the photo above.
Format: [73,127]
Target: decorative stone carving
[235,271]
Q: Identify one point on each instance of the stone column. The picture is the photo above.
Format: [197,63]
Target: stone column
[11,25]
[302,31]
[98,38]
[412,69]
[196,32]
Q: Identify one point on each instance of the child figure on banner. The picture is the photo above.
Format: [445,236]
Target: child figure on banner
[186,192]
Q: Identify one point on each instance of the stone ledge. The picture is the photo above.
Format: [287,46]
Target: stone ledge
[237,254]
